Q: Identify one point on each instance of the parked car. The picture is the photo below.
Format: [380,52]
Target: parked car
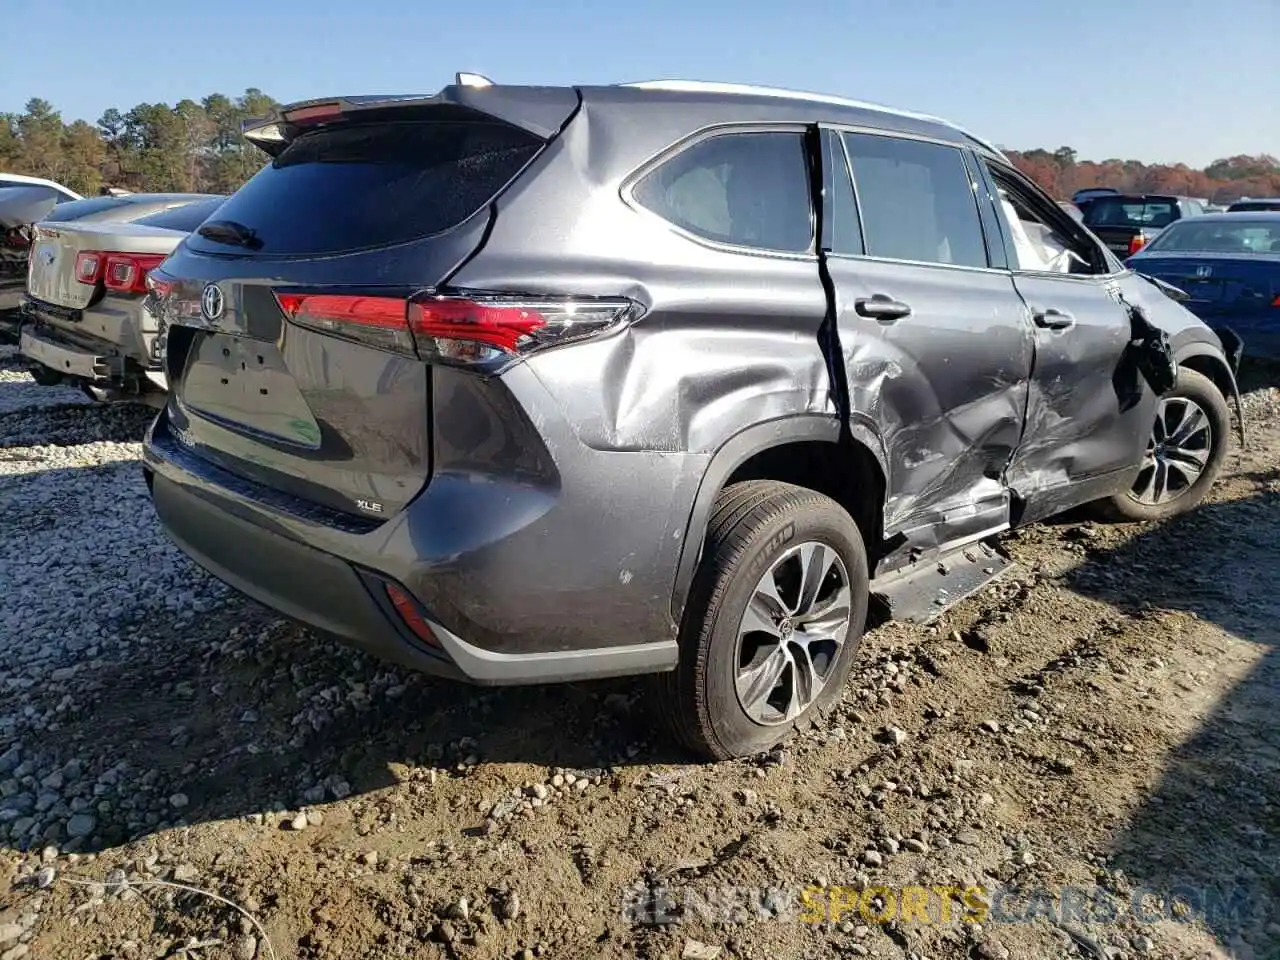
[21,199]
[1126,223]
[1082,198]
[84,317]
[1254,205]
[525,384]
[54,189]
[23,204]
[1229,265]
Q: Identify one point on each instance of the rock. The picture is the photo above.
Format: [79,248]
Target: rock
[894,735]
[185,873]
[525,954]
[81,825]
[246,947]
[49,854]
[444,932]
[460,910]
[915,845]
[508,907]
[45,877]
[697,950]
[369,858]
[178,801]
[314,818]
[991,726]
[872,858]
[1143,944]
[1024,858]
[993,950]
[298,822]
[540,791]
[16,953]
[9,932]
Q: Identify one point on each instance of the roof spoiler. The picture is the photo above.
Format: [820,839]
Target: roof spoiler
[541,111]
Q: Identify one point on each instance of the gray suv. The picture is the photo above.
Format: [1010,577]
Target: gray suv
[525,384]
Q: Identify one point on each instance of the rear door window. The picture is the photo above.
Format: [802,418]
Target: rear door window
[916,200]
[745,189]
[358,186]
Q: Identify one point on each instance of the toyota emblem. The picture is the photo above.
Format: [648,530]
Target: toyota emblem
[211,302]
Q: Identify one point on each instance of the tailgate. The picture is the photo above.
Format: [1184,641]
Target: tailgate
[364,214]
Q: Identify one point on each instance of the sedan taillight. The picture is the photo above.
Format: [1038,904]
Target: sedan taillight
[118,272]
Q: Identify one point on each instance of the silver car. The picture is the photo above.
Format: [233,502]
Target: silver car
[84,316]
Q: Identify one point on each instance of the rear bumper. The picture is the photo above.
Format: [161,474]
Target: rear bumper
[335,580]
[108,343]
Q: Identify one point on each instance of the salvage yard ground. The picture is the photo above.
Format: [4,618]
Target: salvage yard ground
[1105,718]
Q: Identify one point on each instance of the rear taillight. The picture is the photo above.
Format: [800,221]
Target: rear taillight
[471,329]
[378,321]
[1137,242]
[119,272]
[1276,301]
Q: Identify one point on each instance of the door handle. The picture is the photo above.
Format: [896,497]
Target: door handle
[881,307]
[1052,319]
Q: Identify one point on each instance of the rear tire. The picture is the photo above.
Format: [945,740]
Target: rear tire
[739,636]
[1185,453]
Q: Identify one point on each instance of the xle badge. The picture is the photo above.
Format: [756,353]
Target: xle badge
[369,506]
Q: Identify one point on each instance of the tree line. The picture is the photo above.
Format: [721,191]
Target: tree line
[189,147]
[1062,174]
[198,146]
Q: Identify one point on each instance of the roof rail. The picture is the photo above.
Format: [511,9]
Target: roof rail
[745,89]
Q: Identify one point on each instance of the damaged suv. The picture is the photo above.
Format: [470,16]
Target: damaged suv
[524,384]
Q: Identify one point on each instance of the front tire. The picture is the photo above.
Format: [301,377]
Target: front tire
[1184,455]
[773,622]
[45,376]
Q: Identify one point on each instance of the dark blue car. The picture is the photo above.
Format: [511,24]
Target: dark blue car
[1229,266]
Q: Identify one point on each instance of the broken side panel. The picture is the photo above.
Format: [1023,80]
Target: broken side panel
[944,386]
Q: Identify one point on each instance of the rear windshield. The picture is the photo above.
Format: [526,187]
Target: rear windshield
[367,185]
[76,209]
[186,217]
[1119,212]
[1199,236]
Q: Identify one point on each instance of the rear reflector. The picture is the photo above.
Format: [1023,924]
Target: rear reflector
[120,272]
[411,615]
[472,329]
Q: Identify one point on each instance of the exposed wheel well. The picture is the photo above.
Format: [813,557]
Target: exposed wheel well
[1213,368]
[847,473]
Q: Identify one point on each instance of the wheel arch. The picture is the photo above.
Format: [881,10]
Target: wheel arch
[841,466]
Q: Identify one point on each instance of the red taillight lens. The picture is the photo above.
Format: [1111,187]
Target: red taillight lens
[411,616]
[484,328]
[1276,301]
[88,266]
[119,272]
[378,321]
[1136,243]
[455,329]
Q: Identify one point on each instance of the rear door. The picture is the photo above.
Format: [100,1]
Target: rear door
[1085,422]
[289,355]
[935,340]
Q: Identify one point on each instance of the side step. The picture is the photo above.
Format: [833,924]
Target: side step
[922,592]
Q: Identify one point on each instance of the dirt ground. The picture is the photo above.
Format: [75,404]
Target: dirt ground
[1104,722]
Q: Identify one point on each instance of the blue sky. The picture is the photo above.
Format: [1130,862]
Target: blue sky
[1155,80]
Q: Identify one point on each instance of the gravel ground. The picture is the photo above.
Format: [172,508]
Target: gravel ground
[1102,719]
